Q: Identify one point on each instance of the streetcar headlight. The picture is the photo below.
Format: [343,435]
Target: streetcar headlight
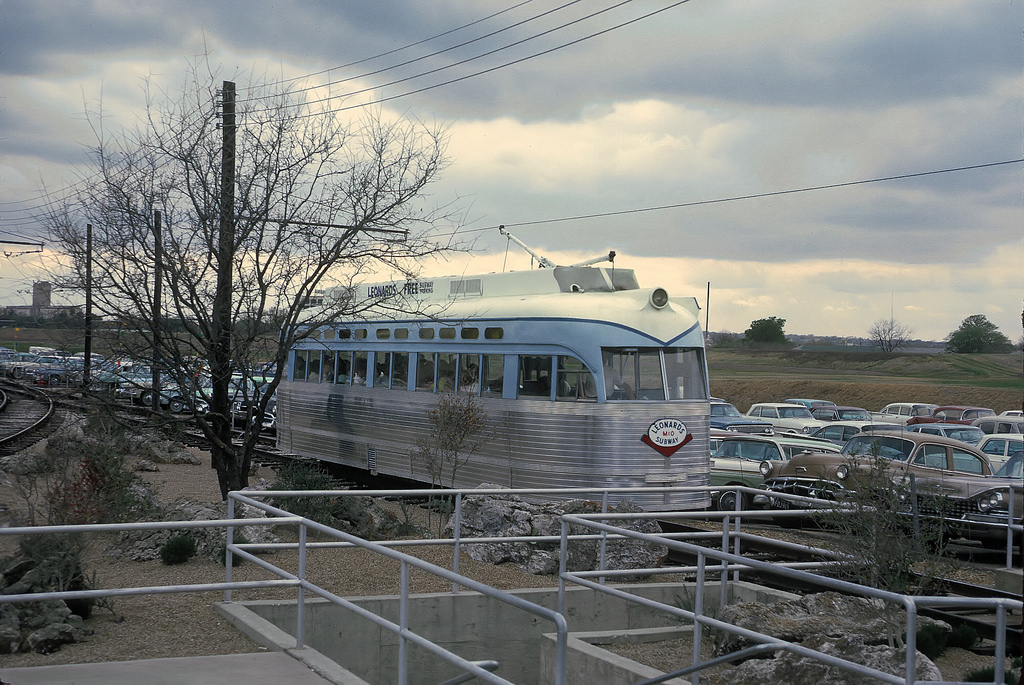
[659,298]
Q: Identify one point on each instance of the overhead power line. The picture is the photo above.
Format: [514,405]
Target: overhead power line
[384,54]
[752,196]
[446,67]
[422,57]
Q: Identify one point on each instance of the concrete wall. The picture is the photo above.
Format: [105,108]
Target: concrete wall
[475,627]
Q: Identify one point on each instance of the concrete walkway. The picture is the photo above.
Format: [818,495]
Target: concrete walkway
[252,669]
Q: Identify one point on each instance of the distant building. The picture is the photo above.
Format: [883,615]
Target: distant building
[41,307]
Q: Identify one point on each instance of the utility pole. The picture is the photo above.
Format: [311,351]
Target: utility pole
[220,357]
[86,370]
[158,277]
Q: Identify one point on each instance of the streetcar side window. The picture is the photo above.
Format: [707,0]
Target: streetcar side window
[425,371]
[313,368]
[343,368]
[400,371]
[447,367]
[327,370]
[299,365]
[359,366]
[492,373]
[534,376]
[574,381]
[469,374]
[382,369]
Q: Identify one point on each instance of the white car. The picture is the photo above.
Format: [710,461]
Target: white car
[787,418]
[994,425]
[1000,447]
[901,412]
[1012,412]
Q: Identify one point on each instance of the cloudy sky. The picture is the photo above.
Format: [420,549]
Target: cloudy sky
[667,131]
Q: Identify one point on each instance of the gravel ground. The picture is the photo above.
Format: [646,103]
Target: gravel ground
[186,624]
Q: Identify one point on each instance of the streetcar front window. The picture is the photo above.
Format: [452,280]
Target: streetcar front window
[653,373]
[684,367]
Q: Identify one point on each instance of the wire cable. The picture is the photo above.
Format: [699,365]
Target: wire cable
[382,54]
[752,196]
[483,71]
[421,58]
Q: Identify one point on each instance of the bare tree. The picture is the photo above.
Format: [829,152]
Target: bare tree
[318,202]
[457,427]
[889,335]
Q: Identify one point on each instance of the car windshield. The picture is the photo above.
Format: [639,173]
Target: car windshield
[724,410]
[1013,468]
[969,435]
[854,415]
[883,446]
[794,412]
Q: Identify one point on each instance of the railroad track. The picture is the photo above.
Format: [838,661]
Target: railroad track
[25,413]
[770,551]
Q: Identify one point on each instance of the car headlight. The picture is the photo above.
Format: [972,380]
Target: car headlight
[993,500]
[805,429]
[765,467]
[843,472]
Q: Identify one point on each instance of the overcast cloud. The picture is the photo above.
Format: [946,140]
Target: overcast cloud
[703,101]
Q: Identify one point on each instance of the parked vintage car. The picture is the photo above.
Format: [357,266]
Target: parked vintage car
[999,448]
[1012,412]
[953,414]
[838,413]
[17,366]
[838,432]
[1013,468]
[786,417]
[725,416]
[953,480]
[901,412]
[972,435]
[736,460]
[994,425]
[810,403]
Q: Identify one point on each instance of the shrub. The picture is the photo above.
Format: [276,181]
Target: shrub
[987,675]
[96,485]
[932,640]
[238,539]
[302,476]
[963,636]
[178,550]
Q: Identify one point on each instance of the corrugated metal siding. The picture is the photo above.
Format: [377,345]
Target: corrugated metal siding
[526,443]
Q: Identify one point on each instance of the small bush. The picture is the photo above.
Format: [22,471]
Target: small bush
[178,550]
[987,675]
[238,539]
[932,640]
[301,476]
[963,636]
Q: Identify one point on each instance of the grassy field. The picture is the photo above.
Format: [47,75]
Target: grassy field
[862,379]
[868,380]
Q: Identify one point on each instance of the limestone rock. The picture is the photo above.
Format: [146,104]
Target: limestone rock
[853,628]
[510,516]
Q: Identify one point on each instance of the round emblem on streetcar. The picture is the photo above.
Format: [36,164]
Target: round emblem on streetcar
[667,436]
